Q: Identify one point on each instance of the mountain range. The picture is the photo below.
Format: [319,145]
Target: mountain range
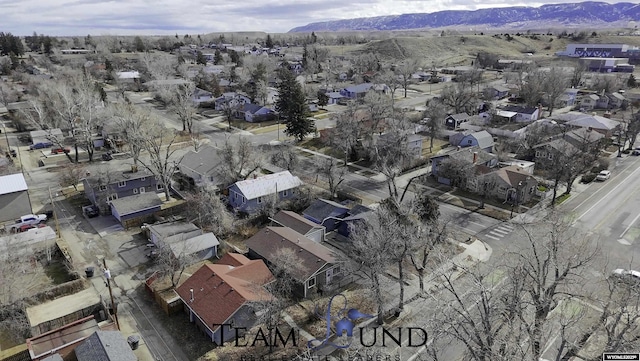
[592,14]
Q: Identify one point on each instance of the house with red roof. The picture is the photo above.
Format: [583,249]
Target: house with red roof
[221,294]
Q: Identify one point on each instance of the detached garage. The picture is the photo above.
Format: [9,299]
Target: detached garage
[14,197]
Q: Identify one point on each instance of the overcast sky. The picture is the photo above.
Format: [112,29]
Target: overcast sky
[149,17]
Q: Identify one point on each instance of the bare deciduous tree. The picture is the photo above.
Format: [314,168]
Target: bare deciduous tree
[405,72]
[285,156]
[208,210]
[158,142]
[333,173]
[134,123]
[184,106]
[459,97]
[555,84]
[434,117]
[239,161]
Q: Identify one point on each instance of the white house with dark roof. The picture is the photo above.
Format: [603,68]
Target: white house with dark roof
[14,197]
[248,195]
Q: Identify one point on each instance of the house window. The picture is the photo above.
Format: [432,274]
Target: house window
[311,283]
[159,186]
[550,156]
[143,179]
[235,195]
[122,184]
[538,154]
[336,270]
[284,193]
[112,197]
[259,199]
[142,190]
[102,188]
[469,141]
[242,199]
[135,190]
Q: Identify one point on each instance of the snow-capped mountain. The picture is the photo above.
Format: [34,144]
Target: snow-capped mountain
[589,13]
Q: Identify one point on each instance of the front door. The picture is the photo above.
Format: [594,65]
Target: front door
[329,274]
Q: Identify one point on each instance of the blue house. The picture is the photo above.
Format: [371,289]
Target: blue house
[481,139]
[102,188]
[326,213]
[254,113]
[248,195]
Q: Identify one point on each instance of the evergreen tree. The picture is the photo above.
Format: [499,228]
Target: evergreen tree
[269,42]
[47,44]
[217,57]
[631,82]
[292,106]
[323,99]
[314,38]
[138,44]
[305,55]
[10,44]
[235,57]
[200,58]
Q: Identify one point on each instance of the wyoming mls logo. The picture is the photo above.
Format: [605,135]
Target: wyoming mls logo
[343,322]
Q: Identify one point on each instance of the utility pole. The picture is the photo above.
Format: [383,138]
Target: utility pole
[107,275]
[55,217]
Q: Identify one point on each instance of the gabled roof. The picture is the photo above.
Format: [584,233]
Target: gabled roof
[165,230]
[219,290]
[12,183]
[467,154]
[136,203]
[194,244]
[588,121]
[617,96]
[323,208]
[512,175]
[313,256]
[500,88]
[459,116]
[582,135]
[485,140]
[559,144]
[335,95]
[251,108]
[358,212]
[98,178]
[268,184]
[105,346]
[359,88]
[204,161]
[295,221]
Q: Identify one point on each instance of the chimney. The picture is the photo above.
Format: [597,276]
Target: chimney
[255,176]
[539,111]
[88,173]
[475,157]
[191,290]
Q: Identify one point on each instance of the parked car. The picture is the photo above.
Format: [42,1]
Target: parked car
[13,152]
[40,145]
[107,156]
[635,152]
[92,211]
[629,276]
[28,219]
[26,227]
[60,150]
[603,175]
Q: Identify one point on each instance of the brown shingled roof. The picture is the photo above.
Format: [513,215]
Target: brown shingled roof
[295,221]
[313,256]
[219,290]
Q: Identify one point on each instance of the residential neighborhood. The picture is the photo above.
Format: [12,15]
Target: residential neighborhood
[212,197]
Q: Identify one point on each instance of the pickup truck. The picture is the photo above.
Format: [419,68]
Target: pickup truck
[28,219]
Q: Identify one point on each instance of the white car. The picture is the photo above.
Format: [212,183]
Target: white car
[627,275]
[603,175]
[28,219]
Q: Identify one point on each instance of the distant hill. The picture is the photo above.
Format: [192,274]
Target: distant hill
[590,13]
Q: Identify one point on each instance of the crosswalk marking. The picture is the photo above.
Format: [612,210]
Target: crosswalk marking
[500,231]
[490,236]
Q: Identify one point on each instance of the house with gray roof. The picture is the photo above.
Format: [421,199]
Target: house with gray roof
[254,113]
[360,90]
[105,346]
[183,238]
[136,209]
[453,121]
[600,124]
[102,187]
[298,223]
[325,212]
[481,139]
[471,156]
[248,195]
[199,168]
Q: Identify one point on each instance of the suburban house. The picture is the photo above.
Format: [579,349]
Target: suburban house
[45,136]
[102,188]
[360,90]
[226,85]
[356,215]
[569,143]
[131,76]
[616,100]
[184,239]
[153,84]
[600,124]
[481,139]
[317,270]
[509,184]
[472,156]
[14,197]
[105,346]
[325,212]
[334,98]
[134,210]
[199,168]
[589,101]
[201,96]
[248,195]
[298,223]
[254,113]
[222,293]
[497,91]
[231,99]
[569,97]
[523,114]
[453,121]
[412,143]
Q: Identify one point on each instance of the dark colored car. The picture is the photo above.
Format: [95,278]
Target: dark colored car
[13,152]
[635,152]
[60,150]
[40,145]
[107,156]
[92,212]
